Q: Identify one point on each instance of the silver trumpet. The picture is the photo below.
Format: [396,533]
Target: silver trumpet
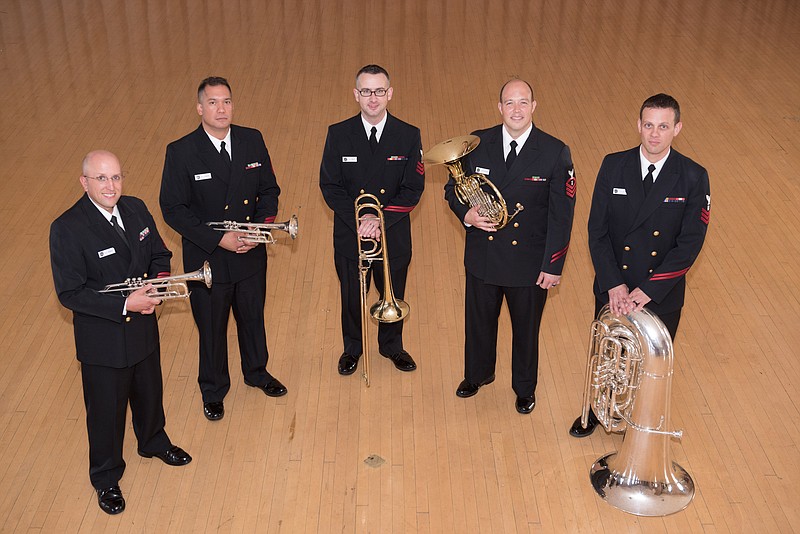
[169,287]
[258,232]
[628,385]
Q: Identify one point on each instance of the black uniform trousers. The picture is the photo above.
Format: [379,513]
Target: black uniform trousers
[670,320]
[525,306]
[106,392]
[211,309]
[390,335]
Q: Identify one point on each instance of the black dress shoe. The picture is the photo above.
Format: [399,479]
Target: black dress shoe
[172,456]
[525,404]
[213,410]
[577,429]
[401,360]
[273,388]
[111,500]
[347,364]
[468,389]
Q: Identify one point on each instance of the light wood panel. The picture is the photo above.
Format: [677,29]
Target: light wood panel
[121,75]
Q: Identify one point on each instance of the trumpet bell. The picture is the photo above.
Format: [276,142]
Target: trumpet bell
[292,226]
[388,311]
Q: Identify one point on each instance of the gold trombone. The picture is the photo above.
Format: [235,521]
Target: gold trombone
[258,232]
[169,287]
[390,309]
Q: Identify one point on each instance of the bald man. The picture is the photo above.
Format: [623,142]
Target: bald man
[522,261]
[104,239]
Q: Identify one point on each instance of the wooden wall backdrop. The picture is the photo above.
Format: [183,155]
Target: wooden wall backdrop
[121,75]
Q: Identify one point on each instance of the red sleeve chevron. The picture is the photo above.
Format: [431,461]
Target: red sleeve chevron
[668,276]
[560,254]
[420,168]
[705,216]
[399,209]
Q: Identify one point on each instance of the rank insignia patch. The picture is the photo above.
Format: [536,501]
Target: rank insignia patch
[420,168]
[571,186]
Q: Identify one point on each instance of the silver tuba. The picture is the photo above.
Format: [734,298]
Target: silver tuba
[473,190]
[390,309]
[628,385]
[169,287]
[258,232]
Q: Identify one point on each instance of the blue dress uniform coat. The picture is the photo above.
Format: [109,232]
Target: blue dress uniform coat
[86,255]
[198,186]
[649,243]
[396,176]
[507,262]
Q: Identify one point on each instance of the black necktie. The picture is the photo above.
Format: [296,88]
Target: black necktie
[512,155]
[373,139]
[118,229]
[648,180]
[224,153]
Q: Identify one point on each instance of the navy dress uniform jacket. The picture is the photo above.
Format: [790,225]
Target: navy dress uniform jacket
[395,174]
[86,254]
[542,180]
[198,188]
[649,243]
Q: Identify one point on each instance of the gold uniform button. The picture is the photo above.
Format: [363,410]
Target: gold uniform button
[383,191]
[246,202]
[516,225]
[127,319]
[627,248]
[144,275]
[654,253]
[514,242]
[656,233]
[624,267]
[650,271]
[361,192]
[247,218]
[491,238]
[226,206]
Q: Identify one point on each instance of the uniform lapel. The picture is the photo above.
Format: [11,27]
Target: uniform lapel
[527,155]
[238,163]
[106,235]
[494,147]
[210,157]
[664,183]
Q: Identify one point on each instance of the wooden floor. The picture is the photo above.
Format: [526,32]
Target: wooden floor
[405,455]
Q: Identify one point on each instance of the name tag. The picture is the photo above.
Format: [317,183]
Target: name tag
[619,191]
[106,252]
[481,170]
[349,159]
[204,176]
[144,233]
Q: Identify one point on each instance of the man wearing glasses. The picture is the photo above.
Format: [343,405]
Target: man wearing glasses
[104,239]
[223,172]
[376,153]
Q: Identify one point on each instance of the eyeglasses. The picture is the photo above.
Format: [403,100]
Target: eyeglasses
[369,92]
[102,178]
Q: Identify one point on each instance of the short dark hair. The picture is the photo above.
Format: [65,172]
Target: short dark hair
[662,101]
[212,81]
[372,69]
[514,79]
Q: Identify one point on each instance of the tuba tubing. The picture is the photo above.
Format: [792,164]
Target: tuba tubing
[629,385]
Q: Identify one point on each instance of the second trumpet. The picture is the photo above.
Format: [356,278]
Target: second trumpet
[258,232]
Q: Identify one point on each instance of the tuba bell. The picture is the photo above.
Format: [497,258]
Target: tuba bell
[389,309]
[169,287]
[628,385]
[476,189]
